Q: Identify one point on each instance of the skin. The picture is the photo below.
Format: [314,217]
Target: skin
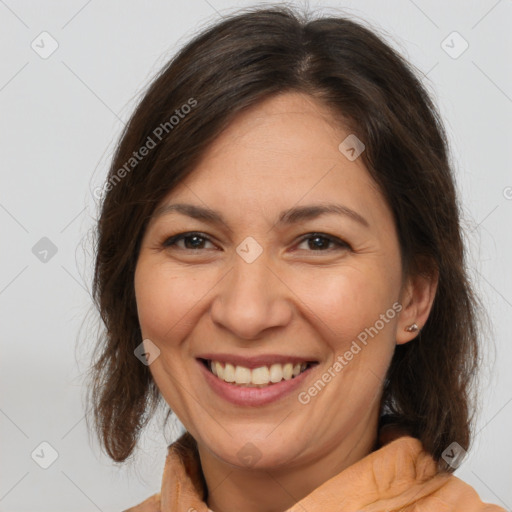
[293,299]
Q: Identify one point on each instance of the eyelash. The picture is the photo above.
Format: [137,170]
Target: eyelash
[172,241]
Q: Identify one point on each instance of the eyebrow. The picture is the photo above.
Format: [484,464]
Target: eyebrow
[286,217]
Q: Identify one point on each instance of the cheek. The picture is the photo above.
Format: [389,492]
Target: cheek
[165,300]
[346,300]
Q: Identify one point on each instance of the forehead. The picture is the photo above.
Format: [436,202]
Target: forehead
[280,152]
[286,129]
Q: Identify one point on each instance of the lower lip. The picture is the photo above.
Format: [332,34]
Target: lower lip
[240,395]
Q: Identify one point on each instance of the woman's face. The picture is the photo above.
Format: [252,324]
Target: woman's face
[264,292]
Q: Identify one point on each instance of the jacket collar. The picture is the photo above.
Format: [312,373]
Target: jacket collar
[399,474]
[368,480]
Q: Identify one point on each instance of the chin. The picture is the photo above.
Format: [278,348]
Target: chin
[249,452]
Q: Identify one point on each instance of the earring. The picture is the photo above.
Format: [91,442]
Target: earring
[411,328]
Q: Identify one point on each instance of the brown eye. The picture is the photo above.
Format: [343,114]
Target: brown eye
[321,242]
[192,241]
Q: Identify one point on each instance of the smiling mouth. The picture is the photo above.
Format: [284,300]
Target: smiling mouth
[260,377]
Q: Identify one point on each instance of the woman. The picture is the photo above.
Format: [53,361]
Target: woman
[280,260]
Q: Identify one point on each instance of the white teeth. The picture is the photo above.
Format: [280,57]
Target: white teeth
[257,377]
[276,373]
[260,375]
[220,370]
[287,371]
[229,373]
[242,375]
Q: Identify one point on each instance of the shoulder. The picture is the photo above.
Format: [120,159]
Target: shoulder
[151,504]
[403,472]
[455,494]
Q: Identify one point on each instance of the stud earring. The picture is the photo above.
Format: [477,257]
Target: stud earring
[411,328]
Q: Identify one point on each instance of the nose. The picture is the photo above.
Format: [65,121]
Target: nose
[251,299]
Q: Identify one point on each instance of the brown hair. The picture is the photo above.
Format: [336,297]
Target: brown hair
[373,91]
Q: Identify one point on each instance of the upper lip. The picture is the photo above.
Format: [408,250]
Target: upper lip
[257,360]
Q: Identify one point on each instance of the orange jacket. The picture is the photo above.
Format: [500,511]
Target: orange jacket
[398,477]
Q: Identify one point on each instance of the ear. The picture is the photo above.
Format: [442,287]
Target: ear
[416,297]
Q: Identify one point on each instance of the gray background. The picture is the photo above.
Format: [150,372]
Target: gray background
[60,117]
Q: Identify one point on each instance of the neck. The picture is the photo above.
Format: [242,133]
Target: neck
[276,490]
